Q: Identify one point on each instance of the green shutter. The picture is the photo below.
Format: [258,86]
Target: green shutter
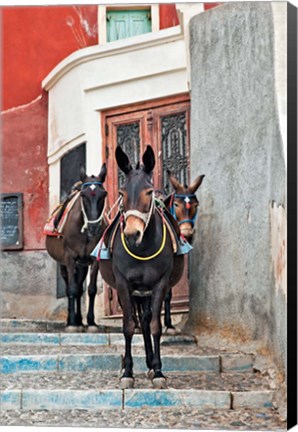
[124,24]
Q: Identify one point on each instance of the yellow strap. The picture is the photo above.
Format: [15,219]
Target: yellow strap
[151,256]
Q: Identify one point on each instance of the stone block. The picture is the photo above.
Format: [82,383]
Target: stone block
[70,399]
[253,399]
[12,364]
[118,339]
[237,363]
[84,339]
[10,399]
[87,362]
[181,363]
[30,338]
[173,397]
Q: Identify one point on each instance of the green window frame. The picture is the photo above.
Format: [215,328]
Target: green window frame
[128,23]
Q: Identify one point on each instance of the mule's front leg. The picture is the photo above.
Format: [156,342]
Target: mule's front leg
[158,380]
[92,288]
[81,273]
[144,307]
[72,294]
[168,320]
[127,379]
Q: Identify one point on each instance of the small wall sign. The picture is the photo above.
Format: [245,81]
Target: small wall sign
[11,210]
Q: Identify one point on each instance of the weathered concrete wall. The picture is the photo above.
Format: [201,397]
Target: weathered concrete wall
[28,287]
[238,266]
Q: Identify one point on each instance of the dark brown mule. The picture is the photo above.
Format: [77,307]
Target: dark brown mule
[83,229]
[143,266]
[183,206]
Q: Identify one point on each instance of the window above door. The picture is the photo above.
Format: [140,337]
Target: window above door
[127,23]
[121,22]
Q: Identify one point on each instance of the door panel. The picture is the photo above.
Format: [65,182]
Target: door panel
[164,125]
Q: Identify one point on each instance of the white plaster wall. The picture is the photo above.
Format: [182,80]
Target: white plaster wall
[101,77]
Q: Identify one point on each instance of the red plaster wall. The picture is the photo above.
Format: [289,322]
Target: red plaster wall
[25,165]
[211,5]
[35,39]
[168,16]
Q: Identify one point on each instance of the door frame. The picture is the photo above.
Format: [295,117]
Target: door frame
[134,111]
[153,110]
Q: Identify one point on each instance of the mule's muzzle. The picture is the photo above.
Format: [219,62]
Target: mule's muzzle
[187,231]
[133,238]
[134,231]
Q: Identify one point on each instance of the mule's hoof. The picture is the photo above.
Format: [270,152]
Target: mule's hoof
[172,331]
[126,383]
[159,383]
[92,329]
[150,374]
[74,329]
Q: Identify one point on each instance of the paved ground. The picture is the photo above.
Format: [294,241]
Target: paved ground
[166,418]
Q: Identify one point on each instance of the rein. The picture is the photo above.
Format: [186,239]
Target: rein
[186,199]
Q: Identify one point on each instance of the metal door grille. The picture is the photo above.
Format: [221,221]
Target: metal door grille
[174,148]
[128,137]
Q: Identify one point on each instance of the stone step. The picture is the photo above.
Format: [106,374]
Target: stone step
[106,361]
[178,417]
[100,390]
[32,358]
[20,325]
[39,338]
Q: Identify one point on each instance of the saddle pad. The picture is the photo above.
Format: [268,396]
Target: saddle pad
[49,228]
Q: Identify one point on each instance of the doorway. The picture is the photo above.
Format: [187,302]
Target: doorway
[164,124]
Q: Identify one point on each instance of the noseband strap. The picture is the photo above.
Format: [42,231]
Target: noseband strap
[144,216]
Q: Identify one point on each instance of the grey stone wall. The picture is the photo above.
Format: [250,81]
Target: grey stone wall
[236,143]
[28,287]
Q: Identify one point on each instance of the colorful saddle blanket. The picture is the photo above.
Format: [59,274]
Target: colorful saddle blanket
[52,228]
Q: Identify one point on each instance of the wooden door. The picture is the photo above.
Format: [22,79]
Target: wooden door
[164,124]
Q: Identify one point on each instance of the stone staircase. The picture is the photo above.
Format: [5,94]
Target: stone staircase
[45,370]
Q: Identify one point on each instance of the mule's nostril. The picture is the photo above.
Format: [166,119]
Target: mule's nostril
[133,239]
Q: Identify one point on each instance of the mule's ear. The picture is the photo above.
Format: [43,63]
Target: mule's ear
[103,173]
[148,160]
[83,174]
[167,200]
[175,183]
[196,184]
[122,160]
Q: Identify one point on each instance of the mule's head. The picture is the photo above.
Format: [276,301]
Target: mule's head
[137,194]
[183,204]
[93,197]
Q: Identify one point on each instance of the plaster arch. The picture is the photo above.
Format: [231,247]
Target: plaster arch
[102,77]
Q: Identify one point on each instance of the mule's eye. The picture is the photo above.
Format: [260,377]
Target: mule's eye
[150,192]
[176,204]
[120,193]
